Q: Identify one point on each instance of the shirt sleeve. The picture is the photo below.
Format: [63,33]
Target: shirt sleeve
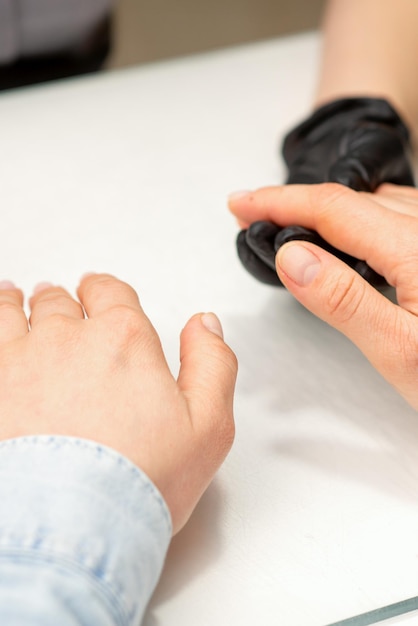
[9,39]
[83,534]
[32,27]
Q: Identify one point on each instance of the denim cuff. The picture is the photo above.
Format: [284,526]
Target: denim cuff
[83,509]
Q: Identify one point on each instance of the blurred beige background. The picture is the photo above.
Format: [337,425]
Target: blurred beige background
[149,30]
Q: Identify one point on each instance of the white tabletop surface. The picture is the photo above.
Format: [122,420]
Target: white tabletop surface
[314,516]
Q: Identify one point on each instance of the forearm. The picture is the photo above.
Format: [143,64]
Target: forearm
[370,48]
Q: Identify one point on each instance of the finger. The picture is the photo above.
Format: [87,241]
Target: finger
[305,205]
[260,237]
[398,205]
[257,247]
[207,378]
[350,221]
[293,233]
[48,300]
[101,292]
[401,192]
[339,296]
[398,199]
[13,322]
[254,265]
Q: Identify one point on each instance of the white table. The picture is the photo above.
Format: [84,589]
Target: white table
[314,516]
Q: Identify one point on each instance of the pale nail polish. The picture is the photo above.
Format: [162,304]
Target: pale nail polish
[7,284]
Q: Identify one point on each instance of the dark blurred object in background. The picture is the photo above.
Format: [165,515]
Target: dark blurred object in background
[43,40]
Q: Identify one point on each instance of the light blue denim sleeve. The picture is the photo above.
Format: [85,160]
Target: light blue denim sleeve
[83,534]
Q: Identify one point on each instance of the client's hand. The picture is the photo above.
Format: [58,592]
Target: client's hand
[381,229]
[95,369]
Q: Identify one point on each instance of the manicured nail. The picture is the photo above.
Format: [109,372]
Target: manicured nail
[299,263]
[7,284]
[42,286]
[237,195]
[212,323]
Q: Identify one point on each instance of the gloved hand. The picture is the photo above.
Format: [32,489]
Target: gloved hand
[358,142]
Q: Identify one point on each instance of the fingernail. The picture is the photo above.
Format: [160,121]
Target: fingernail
[87,274]
[42,286]
[237,195]
[212,323]
[299,263]
[7,284]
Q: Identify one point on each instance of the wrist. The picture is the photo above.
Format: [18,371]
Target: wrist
[360,142]
[340,112]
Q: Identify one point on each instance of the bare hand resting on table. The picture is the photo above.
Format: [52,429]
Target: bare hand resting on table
[380,228]
[104,377]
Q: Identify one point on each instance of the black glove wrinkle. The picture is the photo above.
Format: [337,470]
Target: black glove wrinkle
[252,262]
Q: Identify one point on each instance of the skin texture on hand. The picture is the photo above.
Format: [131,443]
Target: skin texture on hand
[381,228]
[95,369]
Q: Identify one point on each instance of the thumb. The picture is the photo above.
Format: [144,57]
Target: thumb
[207,375]
[339,296]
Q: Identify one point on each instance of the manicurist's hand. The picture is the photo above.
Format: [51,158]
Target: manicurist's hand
[379,228]
[358,142]
[95,369]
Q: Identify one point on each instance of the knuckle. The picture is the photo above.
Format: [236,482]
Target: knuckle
[51,294]
[345,298]
[407,344]
[219,441]
[130,331]
[324,197]
[56,337]
[52,301]
[228,433]
[398,351]
[58,327]
[125,319]
[410,361]
[229,360]
[386,189]
[97,283]
[8,308]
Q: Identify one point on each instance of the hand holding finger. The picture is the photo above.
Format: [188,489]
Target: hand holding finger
[355,224]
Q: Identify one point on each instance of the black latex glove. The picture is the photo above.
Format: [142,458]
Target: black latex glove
[358,142]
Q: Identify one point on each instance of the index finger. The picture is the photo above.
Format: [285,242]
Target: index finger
[311,206]
[398,199]
[353,222]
